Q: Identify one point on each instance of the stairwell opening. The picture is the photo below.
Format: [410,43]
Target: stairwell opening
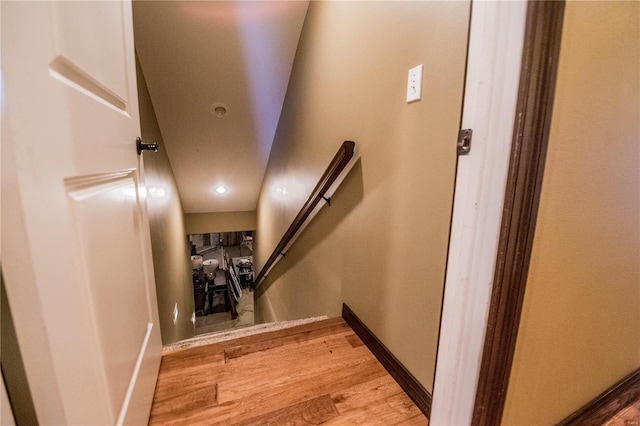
[222,274]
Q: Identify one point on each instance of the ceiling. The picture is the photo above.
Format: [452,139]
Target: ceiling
[196,54]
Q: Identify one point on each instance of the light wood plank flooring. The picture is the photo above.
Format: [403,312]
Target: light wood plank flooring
[317,373]
[628,416]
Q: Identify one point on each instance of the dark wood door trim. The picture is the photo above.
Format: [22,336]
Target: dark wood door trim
[531,132]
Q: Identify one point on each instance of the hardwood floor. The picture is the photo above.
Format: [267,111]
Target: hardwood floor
[628,416]
[317,373]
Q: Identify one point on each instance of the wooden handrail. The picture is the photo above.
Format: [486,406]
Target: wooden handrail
[336,167]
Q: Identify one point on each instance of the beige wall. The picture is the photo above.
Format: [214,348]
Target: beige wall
[204,223]
[580,322]
[168,237]
[381,247]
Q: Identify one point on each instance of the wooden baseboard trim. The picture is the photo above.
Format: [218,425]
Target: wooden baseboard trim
[608,403]
[420,396]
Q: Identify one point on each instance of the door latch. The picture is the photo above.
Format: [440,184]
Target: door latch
[464,141]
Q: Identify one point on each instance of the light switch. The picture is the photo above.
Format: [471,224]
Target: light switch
[414,84]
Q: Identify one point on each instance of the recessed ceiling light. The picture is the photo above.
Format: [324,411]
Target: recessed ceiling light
[219,109]
[221,189]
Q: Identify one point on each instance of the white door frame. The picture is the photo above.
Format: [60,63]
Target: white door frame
[491,90]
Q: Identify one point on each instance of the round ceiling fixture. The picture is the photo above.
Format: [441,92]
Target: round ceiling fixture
[221,189]
[220,109]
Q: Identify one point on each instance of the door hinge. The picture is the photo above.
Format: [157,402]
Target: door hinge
[464,141]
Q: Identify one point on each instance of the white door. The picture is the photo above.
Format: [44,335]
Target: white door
[75,235]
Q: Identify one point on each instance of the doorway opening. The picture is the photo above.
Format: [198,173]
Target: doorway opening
[222,276]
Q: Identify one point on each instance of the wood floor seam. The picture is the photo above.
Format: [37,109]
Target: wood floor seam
[315,373]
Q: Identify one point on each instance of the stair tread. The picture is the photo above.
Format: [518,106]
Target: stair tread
[249,334]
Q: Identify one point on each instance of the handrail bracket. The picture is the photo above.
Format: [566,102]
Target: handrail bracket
[330,175]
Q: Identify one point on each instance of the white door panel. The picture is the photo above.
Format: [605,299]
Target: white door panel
[93,44]
[118,306]
[77,254]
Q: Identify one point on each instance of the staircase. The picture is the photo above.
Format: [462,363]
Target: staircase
[309,372]
[235,333]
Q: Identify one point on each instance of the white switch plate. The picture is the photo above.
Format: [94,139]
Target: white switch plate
[414,84]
